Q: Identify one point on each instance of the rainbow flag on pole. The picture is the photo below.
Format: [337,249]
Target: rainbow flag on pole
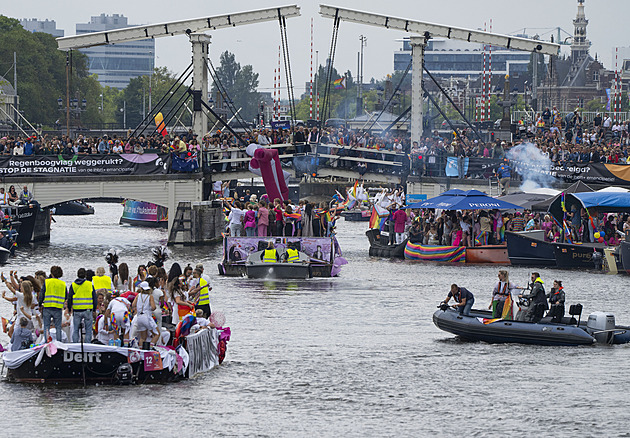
[378,218]
[340,83]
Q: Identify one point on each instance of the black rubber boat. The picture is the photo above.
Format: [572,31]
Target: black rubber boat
[380,247]
[599,328]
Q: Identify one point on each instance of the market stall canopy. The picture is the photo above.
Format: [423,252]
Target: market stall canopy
[525,200]
[603,202]
[465,200]
[553,204]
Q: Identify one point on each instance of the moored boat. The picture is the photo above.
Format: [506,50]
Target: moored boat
[144,214]
[73,208]
[529,249]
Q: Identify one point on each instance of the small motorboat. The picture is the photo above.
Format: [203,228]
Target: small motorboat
[479,326]
[256,268]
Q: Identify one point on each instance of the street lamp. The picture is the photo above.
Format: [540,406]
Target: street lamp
[124,111]
[102,108]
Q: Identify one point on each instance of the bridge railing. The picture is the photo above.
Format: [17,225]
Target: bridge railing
[307,158]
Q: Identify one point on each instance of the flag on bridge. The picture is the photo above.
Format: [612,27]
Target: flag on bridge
[340,83]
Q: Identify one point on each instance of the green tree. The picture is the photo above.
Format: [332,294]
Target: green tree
[41,70]
[240,84]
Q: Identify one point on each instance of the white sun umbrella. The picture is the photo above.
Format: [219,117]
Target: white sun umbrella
[614,189]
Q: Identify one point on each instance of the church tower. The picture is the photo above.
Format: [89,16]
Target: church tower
[580,45]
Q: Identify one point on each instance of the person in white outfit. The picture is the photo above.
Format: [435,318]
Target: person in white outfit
[144,305]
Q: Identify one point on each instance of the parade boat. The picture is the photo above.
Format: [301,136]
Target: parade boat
[73,208]
[34,222]
[76,363]
[323,254]
[600,328]
[528,248]
[256,268]
[380,247]
[144,214]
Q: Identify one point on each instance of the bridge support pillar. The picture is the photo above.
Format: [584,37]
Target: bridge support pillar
[200,48]
[418,44]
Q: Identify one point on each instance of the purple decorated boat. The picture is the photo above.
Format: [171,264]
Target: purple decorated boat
[319,257]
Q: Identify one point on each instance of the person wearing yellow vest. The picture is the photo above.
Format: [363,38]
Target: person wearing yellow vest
[82,303]
[292,255]
[102,281]
[52,297]
[270,255]
[202,291]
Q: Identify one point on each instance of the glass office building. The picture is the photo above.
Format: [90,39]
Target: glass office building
[117,64]
[449,58]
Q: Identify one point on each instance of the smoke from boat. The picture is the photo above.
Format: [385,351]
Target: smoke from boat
[532,165]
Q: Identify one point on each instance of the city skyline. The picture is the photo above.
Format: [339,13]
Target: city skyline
[174,52]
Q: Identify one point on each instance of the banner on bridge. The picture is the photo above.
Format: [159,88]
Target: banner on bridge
[595,173]
[85,165]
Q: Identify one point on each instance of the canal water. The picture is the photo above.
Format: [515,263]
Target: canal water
[356,355]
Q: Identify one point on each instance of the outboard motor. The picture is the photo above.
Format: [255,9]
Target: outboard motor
[598,260]
[124,374]
[601,326]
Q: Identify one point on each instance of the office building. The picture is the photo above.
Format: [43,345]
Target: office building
[117,64]
[45,26]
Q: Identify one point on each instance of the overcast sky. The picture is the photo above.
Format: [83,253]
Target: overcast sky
[257,44]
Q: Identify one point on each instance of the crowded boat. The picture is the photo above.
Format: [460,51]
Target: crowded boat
[148,324]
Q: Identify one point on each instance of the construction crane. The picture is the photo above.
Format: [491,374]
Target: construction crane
[423,32]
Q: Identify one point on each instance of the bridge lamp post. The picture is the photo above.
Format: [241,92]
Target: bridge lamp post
[123,110]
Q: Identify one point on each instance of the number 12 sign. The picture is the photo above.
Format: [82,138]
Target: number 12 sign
[152,361]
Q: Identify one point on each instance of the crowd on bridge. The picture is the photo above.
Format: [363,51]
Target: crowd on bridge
[562,139]
[113,307]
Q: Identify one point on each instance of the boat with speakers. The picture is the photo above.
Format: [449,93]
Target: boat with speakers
[323,255]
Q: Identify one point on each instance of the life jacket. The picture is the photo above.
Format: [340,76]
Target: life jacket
[102,282]
[55,294]
[204,296]
[270,256]
[82,299]
[292,255]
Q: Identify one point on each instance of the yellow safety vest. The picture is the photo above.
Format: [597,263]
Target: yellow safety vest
[204,296]
[270,256]
[55,293]
[82,298]
[292,255]
[102,282]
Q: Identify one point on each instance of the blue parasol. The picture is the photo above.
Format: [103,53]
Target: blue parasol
[465,200]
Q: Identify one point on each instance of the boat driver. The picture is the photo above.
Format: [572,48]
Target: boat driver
[464,299]
[538,299]
[270,255]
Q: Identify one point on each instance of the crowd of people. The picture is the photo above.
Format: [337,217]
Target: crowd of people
[115,309]
[252,217]
[465,228]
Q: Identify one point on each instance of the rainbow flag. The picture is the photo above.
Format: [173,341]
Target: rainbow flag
[340,83]
[435,253]
[353,192]
[378,218]
[296,216]
[507,308]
